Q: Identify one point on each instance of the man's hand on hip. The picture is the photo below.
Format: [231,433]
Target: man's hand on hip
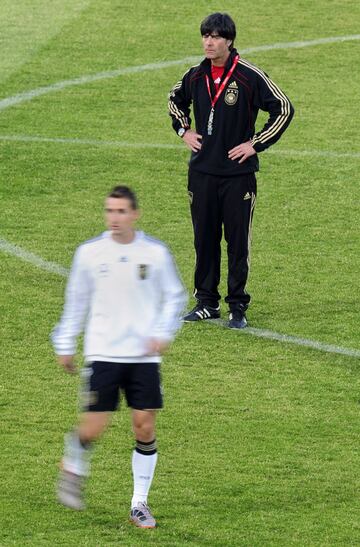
[67,362]
[192,140]
[242,151]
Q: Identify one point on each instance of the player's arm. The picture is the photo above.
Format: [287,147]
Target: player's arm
[173,298]
[156,346]
[77,298]
[67,362]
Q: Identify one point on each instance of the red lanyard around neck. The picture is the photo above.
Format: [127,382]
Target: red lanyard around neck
[223,84]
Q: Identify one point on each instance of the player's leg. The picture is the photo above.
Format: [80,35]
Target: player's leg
[75,465]
[78,442]
[99,398]
[144,460]
[144,456]
[143,393]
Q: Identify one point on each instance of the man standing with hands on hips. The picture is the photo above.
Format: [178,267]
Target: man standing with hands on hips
[226,93]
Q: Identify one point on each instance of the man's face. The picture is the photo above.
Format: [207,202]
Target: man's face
[216,47]
[120,217]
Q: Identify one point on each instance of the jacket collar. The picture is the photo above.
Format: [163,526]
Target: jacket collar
[206,63]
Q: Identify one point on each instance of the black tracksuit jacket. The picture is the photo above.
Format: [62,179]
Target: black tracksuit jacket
[234,119]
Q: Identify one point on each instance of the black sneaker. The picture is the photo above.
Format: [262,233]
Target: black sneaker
[200,312]
[237,319]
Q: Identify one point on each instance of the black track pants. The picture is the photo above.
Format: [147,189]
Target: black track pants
[217,201]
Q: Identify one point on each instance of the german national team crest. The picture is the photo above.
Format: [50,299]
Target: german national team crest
[231,94]
[143,270]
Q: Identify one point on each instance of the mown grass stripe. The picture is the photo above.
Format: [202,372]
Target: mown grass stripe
[52,267]
[89,78]
[124,144]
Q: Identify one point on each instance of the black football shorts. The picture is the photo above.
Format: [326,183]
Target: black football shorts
[103,382]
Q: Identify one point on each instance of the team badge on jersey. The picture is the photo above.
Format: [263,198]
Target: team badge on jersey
[143,270]
[231,94]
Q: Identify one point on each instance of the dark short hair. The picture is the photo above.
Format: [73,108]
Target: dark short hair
[126,193]
[220,23]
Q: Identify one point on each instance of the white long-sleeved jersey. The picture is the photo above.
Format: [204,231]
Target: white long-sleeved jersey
[126,294]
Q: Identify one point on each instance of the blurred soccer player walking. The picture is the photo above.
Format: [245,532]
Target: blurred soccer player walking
[124,285]
[226,93]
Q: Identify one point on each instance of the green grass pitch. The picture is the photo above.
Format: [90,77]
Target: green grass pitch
[259,440]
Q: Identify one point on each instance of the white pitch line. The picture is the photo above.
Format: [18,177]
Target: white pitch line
[136,145]
[313,153]
[35,260]
[52,267]
[303,43]
[285,338]
[89,142]
[88,78]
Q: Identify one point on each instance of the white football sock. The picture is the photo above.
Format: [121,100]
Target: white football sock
[143,467]
[76,457]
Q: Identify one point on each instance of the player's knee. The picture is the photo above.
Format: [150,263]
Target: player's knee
[89,435]
[144,431]
[92,428]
